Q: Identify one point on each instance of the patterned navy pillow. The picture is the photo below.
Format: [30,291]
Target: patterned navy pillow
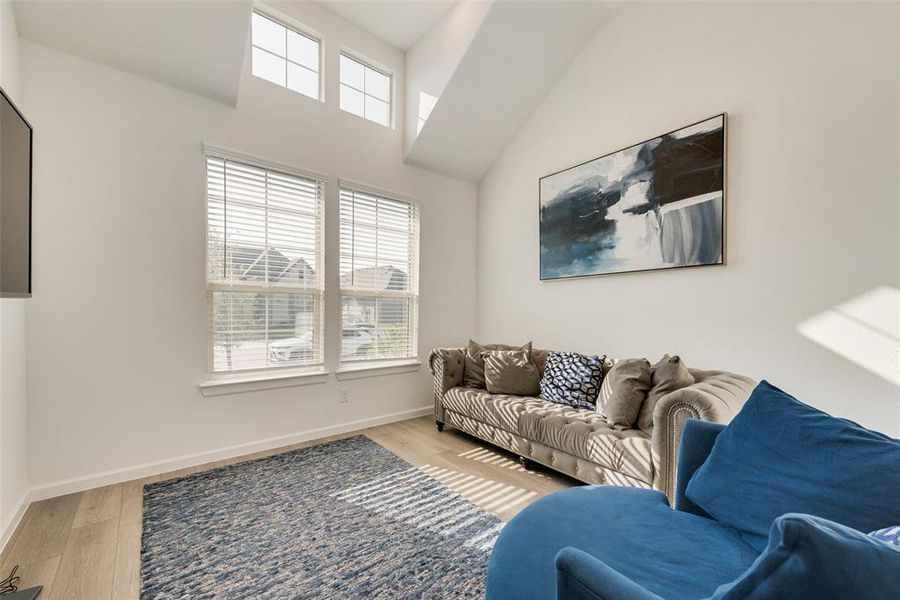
[573,379]
[890,535]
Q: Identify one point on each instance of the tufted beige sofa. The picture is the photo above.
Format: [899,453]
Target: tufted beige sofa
[579,442]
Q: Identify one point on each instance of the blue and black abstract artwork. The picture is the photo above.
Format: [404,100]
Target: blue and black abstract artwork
[655,205]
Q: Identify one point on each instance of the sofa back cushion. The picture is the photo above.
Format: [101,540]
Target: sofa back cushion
[623,392]
[540,358]
[511,372]
[811,557]
[473,375]
[779,455]
[668,375]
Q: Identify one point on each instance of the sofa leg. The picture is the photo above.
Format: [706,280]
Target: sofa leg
[440,425]
[526,463]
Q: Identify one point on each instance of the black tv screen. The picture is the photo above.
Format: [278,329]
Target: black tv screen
[15,201]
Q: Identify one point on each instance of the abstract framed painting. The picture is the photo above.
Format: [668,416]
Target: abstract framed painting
[659,204]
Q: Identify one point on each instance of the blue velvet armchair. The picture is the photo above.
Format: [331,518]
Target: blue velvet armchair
[613,543]
[616,543]
[581,576]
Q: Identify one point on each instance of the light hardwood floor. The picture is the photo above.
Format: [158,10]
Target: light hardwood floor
[86,546]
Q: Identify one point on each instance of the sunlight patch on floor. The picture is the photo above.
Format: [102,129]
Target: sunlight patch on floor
[490,495]
[410,496]
[489,457]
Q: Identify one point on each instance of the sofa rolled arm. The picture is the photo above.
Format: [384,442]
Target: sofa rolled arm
[580,576]
[447,366]
[716,397]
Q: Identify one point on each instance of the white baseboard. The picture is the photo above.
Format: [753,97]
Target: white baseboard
[7,531]
[79,484]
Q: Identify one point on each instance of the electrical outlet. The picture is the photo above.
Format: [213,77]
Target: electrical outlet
[345,395]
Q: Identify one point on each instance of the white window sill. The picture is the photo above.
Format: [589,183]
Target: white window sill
[262,381]
[377,369]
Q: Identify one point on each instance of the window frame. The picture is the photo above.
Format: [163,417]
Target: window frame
[423,116]
[412,295]
[290,24]
[318,291]
[368,63]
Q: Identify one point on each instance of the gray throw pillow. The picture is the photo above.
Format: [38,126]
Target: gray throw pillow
[473,376]
[623,392]
[511,372]
[668,375]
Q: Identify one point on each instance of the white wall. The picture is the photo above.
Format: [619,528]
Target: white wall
[116,341]
[813,208]
[13,479]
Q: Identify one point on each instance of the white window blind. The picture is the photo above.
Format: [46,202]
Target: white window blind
[379,277]
[365,91]
[284,56]
[264,267]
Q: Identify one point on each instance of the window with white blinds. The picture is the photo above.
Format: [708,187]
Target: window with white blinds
[264,267]
[379,274]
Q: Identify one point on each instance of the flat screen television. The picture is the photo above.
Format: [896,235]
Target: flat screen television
[15,201]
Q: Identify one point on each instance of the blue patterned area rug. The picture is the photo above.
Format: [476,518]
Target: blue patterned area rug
[345,519]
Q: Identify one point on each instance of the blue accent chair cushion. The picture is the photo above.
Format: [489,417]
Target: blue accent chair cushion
[780,456]
[811,557]
[673,554]
[572,379]
[691,456]
[613,543]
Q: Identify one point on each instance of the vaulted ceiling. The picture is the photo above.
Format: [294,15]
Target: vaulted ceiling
[505,62]
[194,45]
[399,23]
[520,49]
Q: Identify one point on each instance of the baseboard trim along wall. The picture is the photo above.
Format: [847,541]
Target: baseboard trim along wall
[79,484]
[7,532]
